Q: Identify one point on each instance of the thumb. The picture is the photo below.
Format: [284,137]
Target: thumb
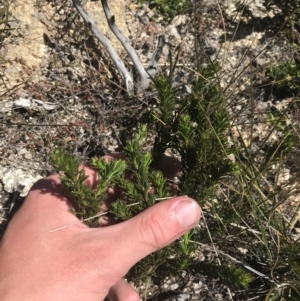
[155,228]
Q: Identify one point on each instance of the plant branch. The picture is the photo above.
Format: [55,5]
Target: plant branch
[152,68]
[129,49]
[107,44]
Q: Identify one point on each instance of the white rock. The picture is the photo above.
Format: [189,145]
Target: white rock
[197,285]
[179,20]
[22,151]
[174,286]
[283,177]
[28,156]
[11,178]
[181,297]
[243,250]
[150,14]
[172,30]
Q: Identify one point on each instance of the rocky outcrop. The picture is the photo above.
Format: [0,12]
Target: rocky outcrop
[24,48]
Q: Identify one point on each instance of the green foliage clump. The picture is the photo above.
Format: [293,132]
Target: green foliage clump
[286,78]
[285,20]
[197,130]
[241,199]
[144,184]
[194,126]
[232,275]
[88,199]
[168,8]
[274,150]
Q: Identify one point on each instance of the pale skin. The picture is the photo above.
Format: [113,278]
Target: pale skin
[81,263]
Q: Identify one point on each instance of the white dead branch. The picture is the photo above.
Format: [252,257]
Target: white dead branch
[144,75]
[34,104]
[107,44]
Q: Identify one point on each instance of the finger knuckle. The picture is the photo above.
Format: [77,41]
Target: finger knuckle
[153,231]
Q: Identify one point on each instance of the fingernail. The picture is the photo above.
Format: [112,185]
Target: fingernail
[188,213]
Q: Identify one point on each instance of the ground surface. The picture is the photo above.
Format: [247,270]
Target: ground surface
[59,88]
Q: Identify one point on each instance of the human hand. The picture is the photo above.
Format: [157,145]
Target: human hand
[81,263]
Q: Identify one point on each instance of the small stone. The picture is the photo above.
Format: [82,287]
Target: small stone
[197,286]
[174,286]
[56,17]
[150,14]
[179,20]
[219,297]
[22,151]
[28,156]
[243,250]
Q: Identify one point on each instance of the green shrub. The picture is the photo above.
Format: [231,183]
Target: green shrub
[195,127]
[244,231]
[285,78]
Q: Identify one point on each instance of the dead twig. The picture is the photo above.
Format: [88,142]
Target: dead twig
[107,44]
[145,75]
